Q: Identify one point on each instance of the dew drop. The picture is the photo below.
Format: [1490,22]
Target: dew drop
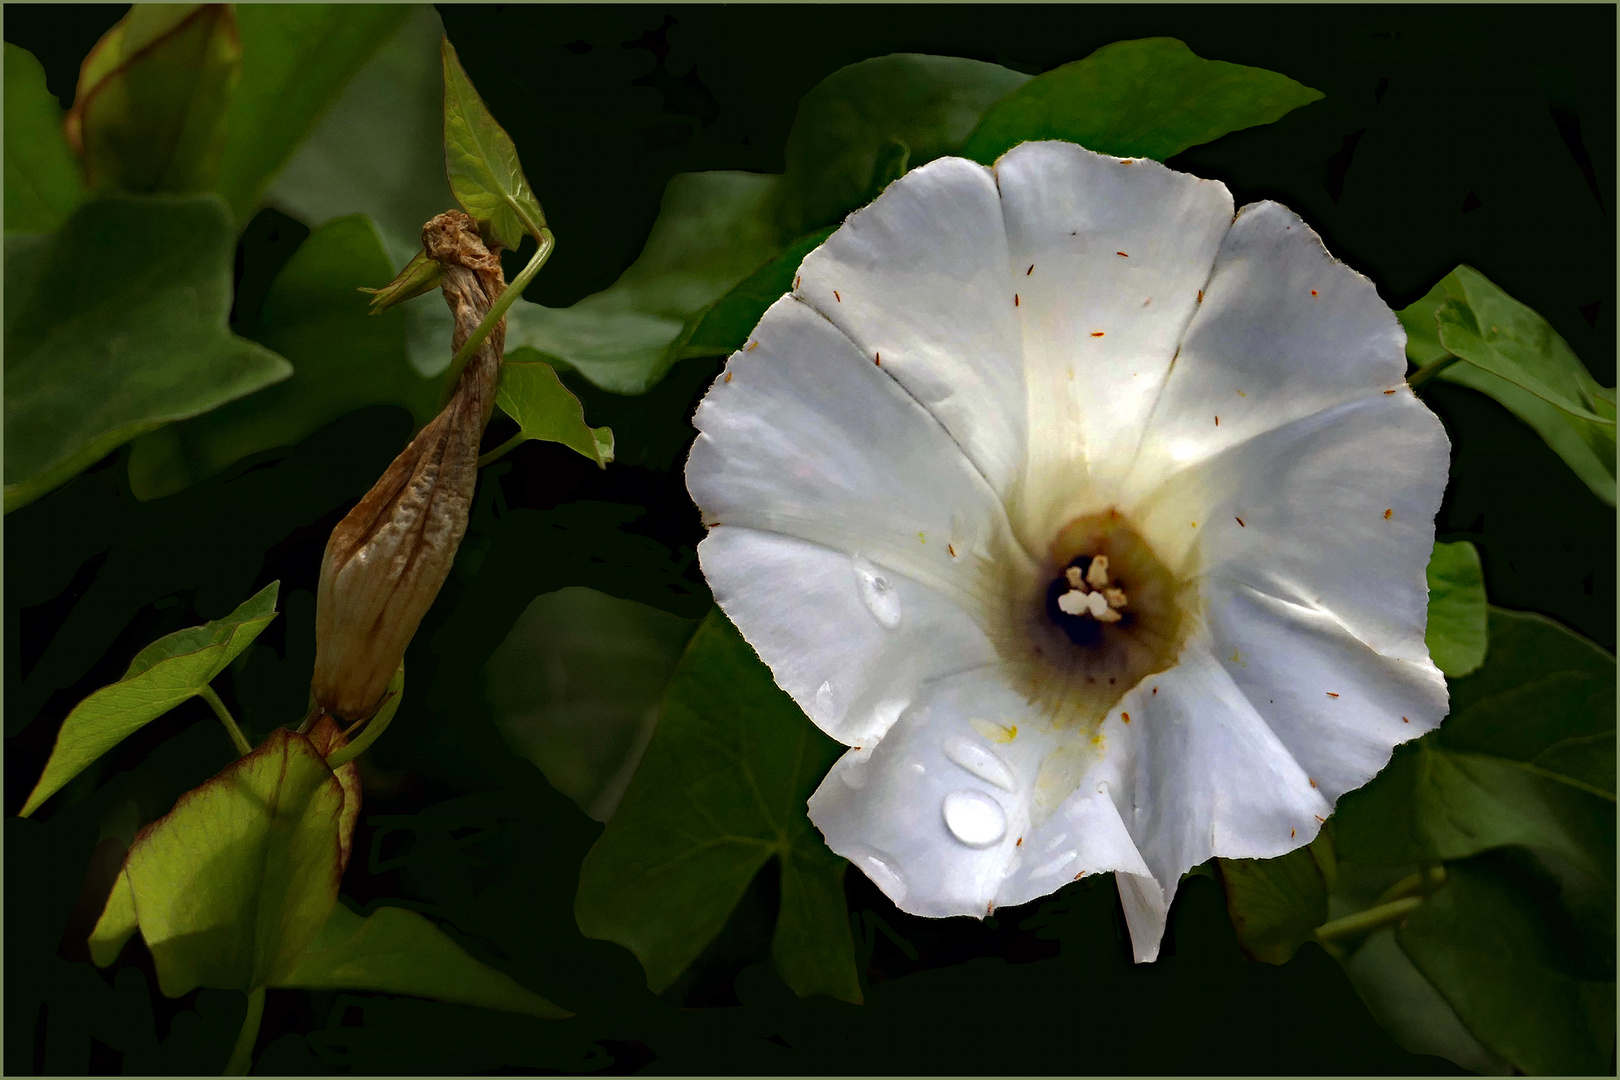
[974,818]
[877,593]
[824,700]
[882,874]
[981,761]
[853,768]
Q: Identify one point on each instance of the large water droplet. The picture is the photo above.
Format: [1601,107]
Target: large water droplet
[981,761]
[877,593]
[883,875]
[852,768]
[974,818]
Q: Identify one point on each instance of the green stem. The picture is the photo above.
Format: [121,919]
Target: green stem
[224,714]
[507,299]
[242,1054]
[1365,922]
[502,450]
[1425,881]
[1430,370]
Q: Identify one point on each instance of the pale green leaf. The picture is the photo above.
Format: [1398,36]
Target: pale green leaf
[115,326]
[1151,98]
[395,951]
[296,59]
[1510,353]
[167,672]
[43,184]
[721,789]
[1275,904]
[234,883]
[482,163]
[153,98]
[421,275]
[1456,630]
[544,409]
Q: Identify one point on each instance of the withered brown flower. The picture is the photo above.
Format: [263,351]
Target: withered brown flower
[387,560]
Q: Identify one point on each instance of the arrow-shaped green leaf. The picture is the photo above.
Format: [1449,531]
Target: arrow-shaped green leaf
[545,409]
[162,675]
[483,165]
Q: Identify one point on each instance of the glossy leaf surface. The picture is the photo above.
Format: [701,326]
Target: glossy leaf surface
[544,409]
[482,163]
[1456,631]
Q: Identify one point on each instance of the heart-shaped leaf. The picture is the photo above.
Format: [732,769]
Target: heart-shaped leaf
[543,407]
[230,887]
[167,672]
[483,165]
[1150,98]
[115,326]
[720,790]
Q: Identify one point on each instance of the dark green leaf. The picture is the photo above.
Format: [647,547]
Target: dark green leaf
[482,163]
[153,97]
[722,788]
[531,394]
[860,122]
[116,326]
[1485,946]
[395,951]
[1525,758]
[344,359]
[576,685]
[1275,904]
[724,327]
[1513,355]
[230,887]
[170,670]
[1456,631]
[296,58]
[421,275]
[1149,98]
[43,184]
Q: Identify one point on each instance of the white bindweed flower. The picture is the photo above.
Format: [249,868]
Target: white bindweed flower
[982,386]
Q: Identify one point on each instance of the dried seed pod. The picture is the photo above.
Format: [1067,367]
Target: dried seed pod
[387,560]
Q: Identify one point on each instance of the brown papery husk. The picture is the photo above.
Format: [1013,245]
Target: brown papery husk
[387,560]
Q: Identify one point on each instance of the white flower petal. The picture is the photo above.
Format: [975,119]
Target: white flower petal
[1207,775]
[918,280]
[1284,331]
[1336,511]
[850,642]
[804,436]
[1338,706]
[1107,261]
[927,814]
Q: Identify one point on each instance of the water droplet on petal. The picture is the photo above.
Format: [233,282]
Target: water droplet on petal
[974,818]
[883,875]
[981,761]
[877,593]
[852,768]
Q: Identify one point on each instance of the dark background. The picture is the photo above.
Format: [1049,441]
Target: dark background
[1481,134]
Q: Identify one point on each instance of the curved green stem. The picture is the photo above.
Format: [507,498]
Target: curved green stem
[507,298]
[502,450]
[224,714]
[1425,881]
[1365,922]
[1430,370]
[242,1054]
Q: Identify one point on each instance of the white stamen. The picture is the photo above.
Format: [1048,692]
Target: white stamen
[1115,597]
[1076,579]
[1097,573]
[1073,602]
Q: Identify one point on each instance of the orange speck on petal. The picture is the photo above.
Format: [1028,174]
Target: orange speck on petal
[1125,716]
[1217,421]
[1331,694]
[1020,842]
[1404,720]
[1323,820]
[752,345]
[1388,514]
[1239,521]
[836,297]
[1200,296]
[1015,299]
[1313,292]
[728,376]
[877,358]
[1389,391]
[1122,254]
[1030,271]
[1155,689]
[1313,783]
[1290,834]
[796,280]
[952,549]
[1098,333]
